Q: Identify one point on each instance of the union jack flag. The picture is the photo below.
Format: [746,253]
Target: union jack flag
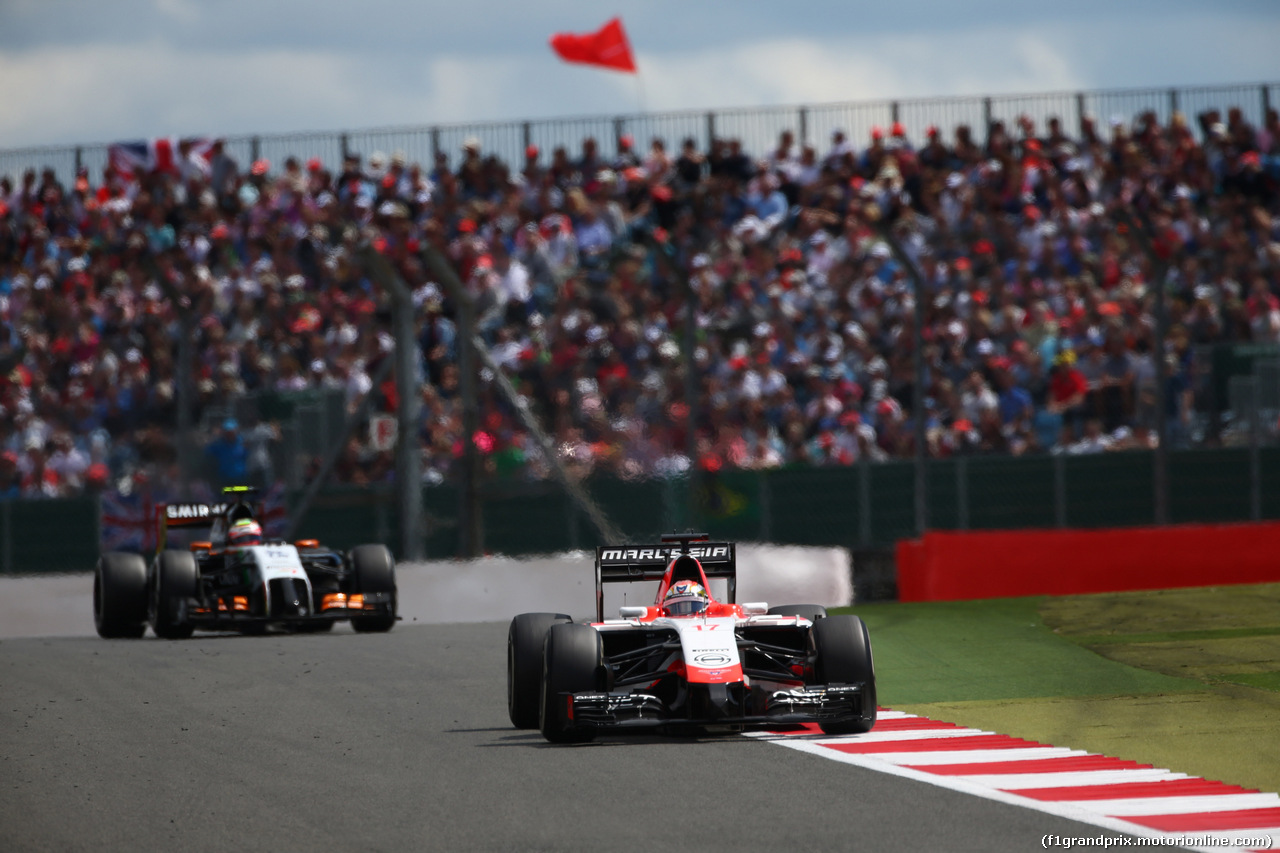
[128,522]
[125,521]
[161,154]
[275,512]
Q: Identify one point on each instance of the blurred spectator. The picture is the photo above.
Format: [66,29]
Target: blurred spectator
[229,454]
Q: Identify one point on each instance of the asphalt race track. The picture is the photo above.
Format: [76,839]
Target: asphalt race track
[401,742]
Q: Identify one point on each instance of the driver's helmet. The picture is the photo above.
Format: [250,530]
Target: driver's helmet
[685,598]
[246,531]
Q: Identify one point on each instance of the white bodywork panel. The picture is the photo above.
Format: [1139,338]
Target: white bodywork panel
[279,561]
[707,643]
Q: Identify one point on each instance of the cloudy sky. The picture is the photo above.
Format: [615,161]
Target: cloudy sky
[79,71]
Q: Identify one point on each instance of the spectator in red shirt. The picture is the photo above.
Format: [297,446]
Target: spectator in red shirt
[1067,389]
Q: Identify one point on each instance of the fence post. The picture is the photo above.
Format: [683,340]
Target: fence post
[435,144]
[80,151]
[962,492]
[1140,231]
[6,528]
[917,395]
[1060,490]
[711,129]
[381,522]
[526,129]
[575,527]
[1255,459]
[255,149]
[1266,100]
[766,508]
[346,146]
[864,501]
[1080,113]
[97,523]
[893,111]
[803,115]
[619,130]
[986,117]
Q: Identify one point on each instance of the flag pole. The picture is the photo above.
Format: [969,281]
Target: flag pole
[640,90]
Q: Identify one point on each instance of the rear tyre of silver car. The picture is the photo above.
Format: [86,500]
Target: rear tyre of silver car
[842,655]
[120,596]
[375,572]
[524,666]
[573,656]
[812,612]
[176,583]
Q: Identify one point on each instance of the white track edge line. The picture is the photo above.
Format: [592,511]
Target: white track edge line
[890,736]
[1072,778]
[1178,805]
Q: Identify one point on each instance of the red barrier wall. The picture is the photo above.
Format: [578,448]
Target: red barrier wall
[946,566]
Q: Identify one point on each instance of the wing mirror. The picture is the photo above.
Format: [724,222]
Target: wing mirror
[755,608]
[633,612]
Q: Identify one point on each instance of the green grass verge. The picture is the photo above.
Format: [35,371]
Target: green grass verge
[1187,679]
[1172,636]
[1261,680]
[951,651]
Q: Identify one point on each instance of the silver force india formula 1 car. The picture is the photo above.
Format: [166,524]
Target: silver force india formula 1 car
[232,579]
[687,661]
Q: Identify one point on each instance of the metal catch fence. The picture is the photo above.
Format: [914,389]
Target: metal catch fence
[757,128]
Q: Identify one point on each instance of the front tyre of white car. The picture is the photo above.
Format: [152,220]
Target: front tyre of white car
[375,572]
[524,666]
[842,655]
[572,658]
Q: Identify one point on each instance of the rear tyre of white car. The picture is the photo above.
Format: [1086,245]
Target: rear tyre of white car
[176,584]
[375,572]
[524,666]
[842,655]
[812,612]
[120,596]
[573,656]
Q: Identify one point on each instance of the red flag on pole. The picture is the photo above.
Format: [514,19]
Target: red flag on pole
[607,47]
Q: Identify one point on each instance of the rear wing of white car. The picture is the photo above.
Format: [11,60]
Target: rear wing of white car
[631,563]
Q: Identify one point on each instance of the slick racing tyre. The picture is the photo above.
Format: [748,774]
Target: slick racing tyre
[812,612]
[572,659]
[176,583]
[120,596]
[524,665]
[375,572]
[842,655]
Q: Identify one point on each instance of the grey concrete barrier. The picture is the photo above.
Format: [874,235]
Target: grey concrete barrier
[492,589]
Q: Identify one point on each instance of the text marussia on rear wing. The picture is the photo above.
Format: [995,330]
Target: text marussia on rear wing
[625,564]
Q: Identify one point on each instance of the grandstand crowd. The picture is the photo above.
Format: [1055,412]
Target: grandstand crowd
[1039,324]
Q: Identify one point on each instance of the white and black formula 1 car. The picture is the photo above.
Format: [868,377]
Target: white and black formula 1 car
[687,662]
[232,579]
